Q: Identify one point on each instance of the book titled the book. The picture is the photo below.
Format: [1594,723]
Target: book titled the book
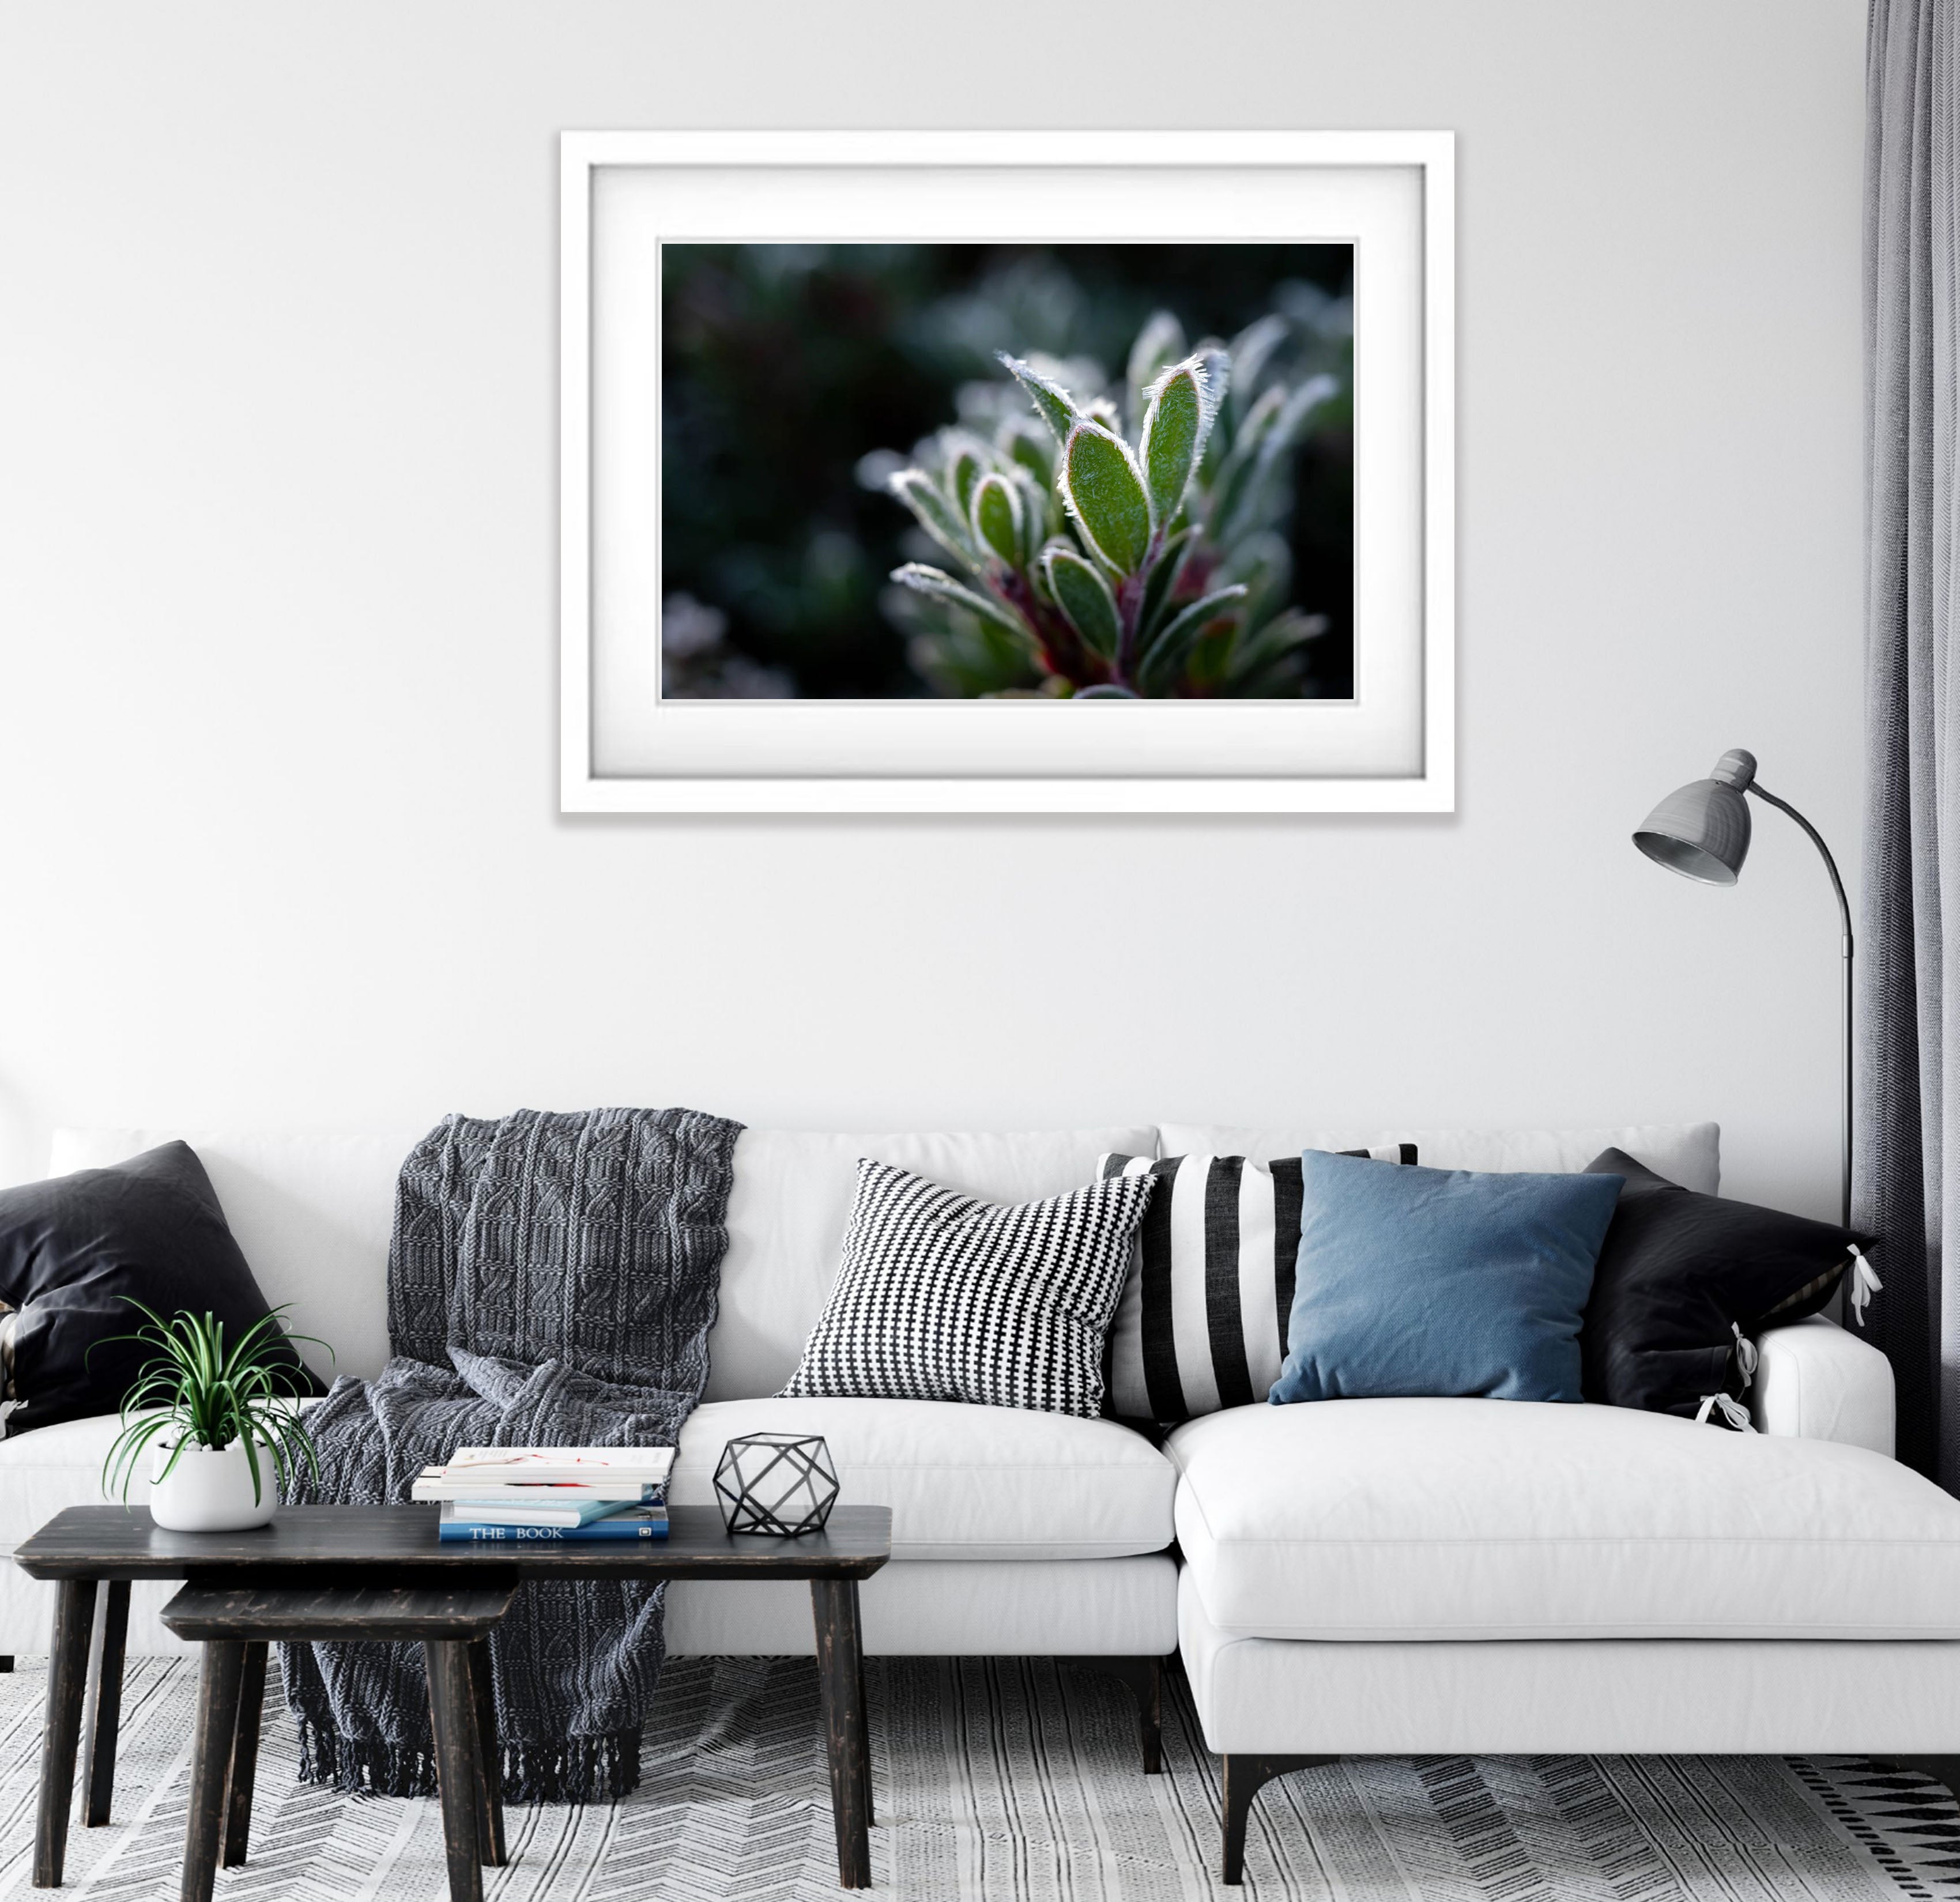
[504,1510]
[631,1523]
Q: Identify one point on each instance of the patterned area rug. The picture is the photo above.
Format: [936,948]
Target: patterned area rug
[1000,1778]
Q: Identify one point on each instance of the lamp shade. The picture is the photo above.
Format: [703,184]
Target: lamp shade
[1702,831]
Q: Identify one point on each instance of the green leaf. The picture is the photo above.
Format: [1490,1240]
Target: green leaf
[1026,443]
[1163,661]
[1260,656]
[1251,351]
[1056,406]
[963,474]
[1159,345]
[923,496]
[1158,583]
[1084,596]
[1264,563]
[996,516]
[1176,424]
[1234,478]
[1104,492]
[1275,422]
[942,587]
[1035,498]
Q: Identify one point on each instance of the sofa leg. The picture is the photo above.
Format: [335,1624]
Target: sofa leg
[1245,1776]
[1943,1770]
[6,1662]
[1145,1678]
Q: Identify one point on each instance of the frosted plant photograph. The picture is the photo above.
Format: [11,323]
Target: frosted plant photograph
[897,472]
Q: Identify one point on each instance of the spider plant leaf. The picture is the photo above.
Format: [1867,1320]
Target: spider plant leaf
[1175,423]
[942,587]
[1055,406]
[1082,595]
[1104,492]
[1160,667]
[1159,345]
[936,516]
[996,517]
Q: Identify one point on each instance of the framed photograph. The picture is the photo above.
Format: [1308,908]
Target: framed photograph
[1007,472]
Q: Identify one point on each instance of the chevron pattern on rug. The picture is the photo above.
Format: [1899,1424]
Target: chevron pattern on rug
[1012,1780]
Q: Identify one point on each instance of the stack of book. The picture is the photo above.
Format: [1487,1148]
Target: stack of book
[493,1493]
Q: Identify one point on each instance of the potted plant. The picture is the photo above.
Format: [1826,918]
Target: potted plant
[220,1423]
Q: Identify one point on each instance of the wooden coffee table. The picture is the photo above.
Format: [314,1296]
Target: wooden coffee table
[88,1547]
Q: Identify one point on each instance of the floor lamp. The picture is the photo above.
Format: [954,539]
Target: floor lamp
[1702,832]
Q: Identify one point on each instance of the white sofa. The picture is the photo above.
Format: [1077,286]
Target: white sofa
[1357,1577]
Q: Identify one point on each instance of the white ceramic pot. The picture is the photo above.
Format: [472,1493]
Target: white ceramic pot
[211,1492]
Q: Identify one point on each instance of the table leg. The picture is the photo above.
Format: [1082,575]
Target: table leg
[489,1759]
[67,1678]
[105,1701]
[840,1666]
[242,1766]
[217,1696]
[452,1712]
[864,1738]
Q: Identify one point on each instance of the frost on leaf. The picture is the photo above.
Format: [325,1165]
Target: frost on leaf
[1104,489]
[996,517]
[1056,406]
[936,583]
[1083,596]
[1176,423]
[921,494]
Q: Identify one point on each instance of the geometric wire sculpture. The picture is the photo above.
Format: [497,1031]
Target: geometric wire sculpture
[780,1483]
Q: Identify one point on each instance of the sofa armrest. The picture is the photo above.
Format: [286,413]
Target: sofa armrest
[1815,1380]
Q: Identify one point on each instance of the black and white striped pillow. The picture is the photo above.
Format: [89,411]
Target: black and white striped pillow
[1202,1322]
[942,1297]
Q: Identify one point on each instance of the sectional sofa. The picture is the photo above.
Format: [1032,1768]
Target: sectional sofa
[1357,1577]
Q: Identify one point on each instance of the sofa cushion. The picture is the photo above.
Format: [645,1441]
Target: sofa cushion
[791,1201]
[1201,1322]
[962,1482]
[1685,1153]
[1452,1519]
[1682,1278]
[91,1259]
[312,1211]
[1440,1281]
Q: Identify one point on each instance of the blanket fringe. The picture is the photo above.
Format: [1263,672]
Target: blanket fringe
[581,1769]
[363,1766]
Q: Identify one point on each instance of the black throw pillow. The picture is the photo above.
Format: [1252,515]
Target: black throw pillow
[73,1247]
[1681,1274]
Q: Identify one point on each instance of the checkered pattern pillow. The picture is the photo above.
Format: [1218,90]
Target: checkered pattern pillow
[944,1297]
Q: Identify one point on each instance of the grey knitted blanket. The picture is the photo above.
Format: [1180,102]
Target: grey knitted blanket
[552,1280]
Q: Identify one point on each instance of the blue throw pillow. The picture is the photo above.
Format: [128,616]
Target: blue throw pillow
[1440,1281]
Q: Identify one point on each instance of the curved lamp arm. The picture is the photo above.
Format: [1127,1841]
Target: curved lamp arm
[1845,915]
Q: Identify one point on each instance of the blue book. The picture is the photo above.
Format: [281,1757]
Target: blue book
[498,1509]
[635,1522]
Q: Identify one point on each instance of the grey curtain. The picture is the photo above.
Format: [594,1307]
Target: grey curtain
[1909,1067]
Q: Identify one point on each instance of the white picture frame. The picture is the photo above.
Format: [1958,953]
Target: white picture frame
[1389,748]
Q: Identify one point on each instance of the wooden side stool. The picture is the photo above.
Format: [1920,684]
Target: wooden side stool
[236,1615]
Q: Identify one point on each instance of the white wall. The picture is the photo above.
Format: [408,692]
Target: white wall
[278,839]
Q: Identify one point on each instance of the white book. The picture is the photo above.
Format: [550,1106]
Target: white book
[554,1475]
[503,1465]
